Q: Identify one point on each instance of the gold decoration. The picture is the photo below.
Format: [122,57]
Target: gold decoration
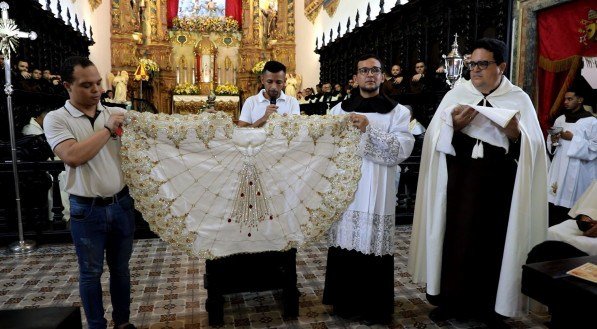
[330,6]
[93,4]
[312,9]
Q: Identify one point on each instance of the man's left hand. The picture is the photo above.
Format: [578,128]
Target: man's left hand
[512,130]
[566,135]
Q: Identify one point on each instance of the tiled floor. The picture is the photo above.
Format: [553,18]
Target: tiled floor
[168,290]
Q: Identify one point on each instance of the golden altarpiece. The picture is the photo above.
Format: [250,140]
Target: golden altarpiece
[204,59]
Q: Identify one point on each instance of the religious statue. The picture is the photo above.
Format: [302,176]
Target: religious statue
[120,81]
[270,20]
[291,85]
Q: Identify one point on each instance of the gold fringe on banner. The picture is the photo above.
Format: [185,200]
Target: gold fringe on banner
[573,70]
[559,65]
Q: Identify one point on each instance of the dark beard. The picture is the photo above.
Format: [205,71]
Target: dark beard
[372,89]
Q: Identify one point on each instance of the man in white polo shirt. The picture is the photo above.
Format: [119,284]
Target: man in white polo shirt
[271,99]
[84,134]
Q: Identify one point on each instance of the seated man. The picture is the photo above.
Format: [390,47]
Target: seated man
[573,237]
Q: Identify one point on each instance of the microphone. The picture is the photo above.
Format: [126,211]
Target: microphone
[272,100]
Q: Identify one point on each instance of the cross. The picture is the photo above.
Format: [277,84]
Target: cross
[9,36]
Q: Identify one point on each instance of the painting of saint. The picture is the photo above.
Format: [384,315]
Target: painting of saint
[194,8]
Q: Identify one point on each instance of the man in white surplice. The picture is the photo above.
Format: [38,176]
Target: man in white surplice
[574,164]
[360,266]
[481,201]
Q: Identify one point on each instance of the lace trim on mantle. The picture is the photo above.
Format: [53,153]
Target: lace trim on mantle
[380,146]
[364,232]
[186,175]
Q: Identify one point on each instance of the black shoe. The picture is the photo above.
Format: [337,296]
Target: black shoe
[495,321]
[379,320]
[441,314]
[128,326]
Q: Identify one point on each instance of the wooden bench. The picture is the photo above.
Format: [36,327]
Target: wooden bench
[270,270]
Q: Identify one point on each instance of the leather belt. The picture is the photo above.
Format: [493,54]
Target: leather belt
[101,201]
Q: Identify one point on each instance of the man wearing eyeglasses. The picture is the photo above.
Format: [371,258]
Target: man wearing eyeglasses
[360,266]
[481,199]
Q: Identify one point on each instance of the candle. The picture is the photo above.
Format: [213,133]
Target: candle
[184,75]
[193,74]
[177,75]
[234,76]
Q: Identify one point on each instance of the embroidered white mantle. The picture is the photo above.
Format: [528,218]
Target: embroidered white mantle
[214,190]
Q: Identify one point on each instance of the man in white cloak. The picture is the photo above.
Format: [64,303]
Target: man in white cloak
[481,201]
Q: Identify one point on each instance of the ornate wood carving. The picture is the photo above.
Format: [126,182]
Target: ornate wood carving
[129,18]
[418,30]
[253,48]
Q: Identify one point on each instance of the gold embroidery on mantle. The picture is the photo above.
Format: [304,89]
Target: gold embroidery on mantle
[183,172]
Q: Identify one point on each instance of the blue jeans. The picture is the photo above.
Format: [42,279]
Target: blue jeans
[94,229]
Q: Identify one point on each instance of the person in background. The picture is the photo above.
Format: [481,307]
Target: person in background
[574,164]
[396,84]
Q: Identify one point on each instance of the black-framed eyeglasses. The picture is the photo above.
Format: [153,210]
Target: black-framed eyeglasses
[481,64]
[366,70]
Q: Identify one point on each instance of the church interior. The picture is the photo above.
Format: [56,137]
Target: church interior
[185,72]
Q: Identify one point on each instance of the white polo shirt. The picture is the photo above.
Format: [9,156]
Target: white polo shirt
[254,107]
[100,176]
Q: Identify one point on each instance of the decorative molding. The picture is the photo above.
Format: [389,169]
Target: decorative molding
[92,3]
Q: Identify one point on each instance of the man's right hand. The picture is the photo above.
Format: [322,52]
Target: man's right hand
[462,116]
[269,110]
[26,74]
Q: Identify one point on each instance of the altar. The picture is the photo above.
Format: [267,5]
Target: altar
[198,47]
[192,104]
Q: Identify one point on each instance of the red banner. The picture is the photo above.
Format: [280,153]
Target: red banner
[566,33]
[171,11]
[234,8]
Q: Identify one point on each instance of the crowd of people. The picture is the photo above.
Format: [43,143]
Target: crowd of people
[482,198]
[34,79]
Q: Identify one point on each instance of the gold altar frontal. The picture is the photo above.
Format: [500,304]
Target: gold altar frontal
[200,54]
[192,104]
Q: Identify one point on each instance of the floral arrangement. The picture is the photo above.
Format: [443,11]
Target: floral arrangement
[258,68]
[186,89]
[149,65]
[227,89]
[204,24]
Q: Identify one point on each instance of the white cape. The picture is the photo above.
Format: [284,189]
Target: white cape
[527,224]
